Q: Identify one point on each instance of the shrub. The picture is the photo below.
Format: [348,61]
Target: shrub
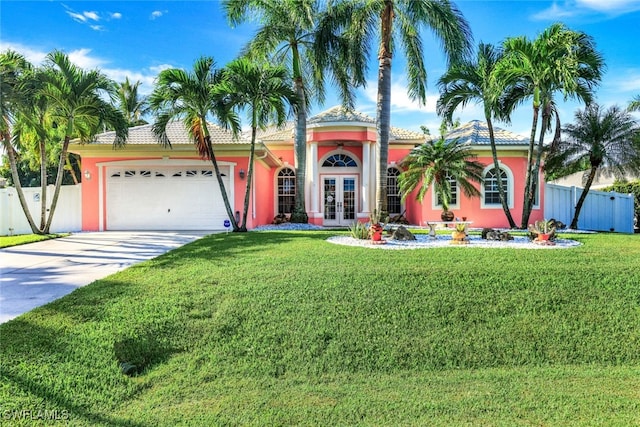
[359,230]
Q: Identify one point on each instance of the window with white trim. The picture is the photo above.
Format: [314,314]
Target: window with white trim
[454,192]
[286,191]
[491,193]
[394,199]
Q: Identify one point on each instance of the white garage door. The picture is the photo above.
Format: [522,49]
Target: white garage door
[165,198]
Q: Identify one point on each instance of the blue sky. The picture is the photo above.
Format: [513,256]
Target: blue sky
[139,38]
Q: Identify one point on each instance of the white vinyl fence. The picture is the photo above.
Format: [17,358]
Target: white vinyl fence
[601,211]
[67,216]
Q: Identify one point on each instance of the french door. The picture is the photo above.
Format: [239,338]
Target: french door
[340,199]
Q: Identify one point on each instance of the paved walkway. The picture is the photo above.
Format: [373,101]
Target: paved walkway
[34,274]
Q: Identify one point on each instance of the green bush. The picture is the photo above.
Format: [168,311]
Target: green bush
[359,230]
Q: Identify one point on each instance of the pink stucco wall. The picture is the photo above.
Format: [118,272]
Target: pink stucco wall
[488,216]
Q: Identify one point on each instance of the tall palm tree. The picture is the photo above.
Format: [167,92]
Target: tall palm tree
[192,97]
[634,105]
[558,60]
[605,140]
[76,100]
[14,74]
[130,103]
[475,81]
[264,91]
[438,162]
[443,18]
[305,36]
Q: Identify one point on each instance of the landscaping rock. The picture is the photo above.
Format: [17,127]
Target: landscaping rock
[401,233]
[491,234]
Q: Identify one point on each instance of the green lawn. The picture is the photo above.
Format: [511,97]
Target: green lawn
[283,328]
[6,241]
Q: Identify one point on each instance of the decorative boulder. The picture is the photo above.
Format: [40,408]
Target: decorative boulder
[401,233]
[280,219]
[491,234]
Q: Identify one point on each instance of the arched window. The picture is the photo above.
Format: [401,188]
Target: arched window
[339,161]
[491,194]
[394,200]
[286,191]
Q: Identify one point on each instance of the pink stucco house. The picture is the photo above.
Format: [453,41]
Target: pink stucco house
[145,186]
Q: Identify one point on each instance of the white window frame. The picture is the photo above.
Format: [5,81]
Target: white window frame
[510,187]
[434,198]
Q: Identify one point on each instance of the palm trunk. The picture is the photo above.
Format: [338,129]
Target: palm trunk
[383,110]
[526,208]
[546,123]
[583,197]
[299,214]
[223,191]
[58,185]
[247,191]
[6,138]
[496,165]
[43,184]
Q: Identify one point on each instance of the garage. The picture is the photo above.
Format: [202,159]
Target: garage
[165,198]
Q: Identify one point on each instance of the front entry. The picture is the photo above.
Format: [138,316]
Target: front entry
[339,198]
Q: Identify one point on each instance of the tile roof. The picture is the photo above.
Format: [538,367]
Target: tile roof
[338,114]
[477,133]
[176,131]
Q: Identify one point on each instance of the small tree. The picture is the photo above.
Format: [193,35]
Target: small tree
[606,140]
[264,91]
[192,97]
[438,163]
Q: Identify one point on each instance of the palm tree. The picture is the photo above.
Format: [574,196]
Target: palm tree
[634,105]
[59,95]
[263,90]
[378,17]
[439,163]
[14,73]
[76,100]
[192,97]
[606,141]
[558,60]
[475,80]
[305,36]
[131,104]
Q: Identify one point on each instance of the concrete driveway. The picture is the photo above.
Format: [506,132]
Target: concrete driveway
[34,274]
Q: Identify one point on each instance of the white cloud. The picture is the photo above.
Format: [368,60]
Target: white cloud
[83,59]
[33,55]
[78,17]
[570,8]
[97,27]
[157,14]
[91,15]
[158,68]
[400,100]
[116,15]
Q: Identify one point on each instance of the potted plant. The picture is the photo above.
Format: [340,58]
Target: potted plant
[459,235]
[375,227]
[543,231]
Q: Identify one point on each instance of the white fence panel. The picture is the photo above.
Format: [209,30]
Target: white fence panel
[66,218]
[601,211]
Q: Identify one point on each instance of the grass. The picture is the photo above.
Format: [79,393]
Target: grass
[278,328]
[7,241]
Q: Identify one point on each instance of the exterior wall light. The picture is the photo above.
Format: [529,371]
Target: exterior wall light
[241,173]
[87,174]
